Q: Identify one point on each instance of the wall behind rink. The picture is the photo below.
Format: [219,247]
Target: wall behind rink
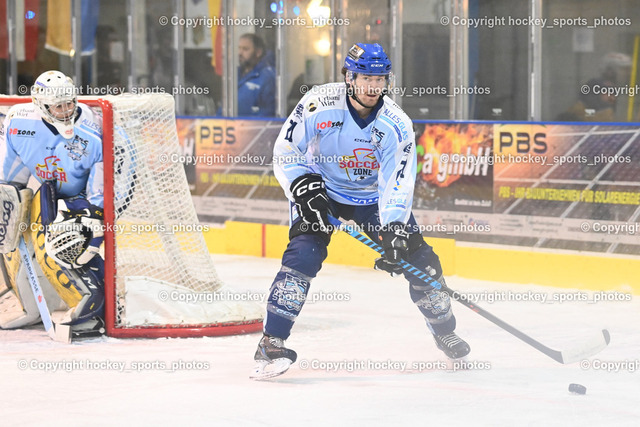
[562,196]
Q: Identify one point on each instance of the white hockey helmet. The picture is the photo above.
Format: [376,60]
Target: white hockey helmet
[55,95]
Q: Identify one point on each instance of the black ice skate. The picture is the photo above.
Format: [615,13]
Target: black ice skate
[452,345]
[272,358]
[92,328]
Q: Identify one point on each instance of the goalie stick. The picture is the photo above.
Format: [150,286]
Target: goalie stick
[37,291]
[591,348]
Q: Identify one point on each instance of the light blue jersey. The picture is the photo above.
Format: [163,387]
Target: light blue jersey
[362,163]
[29,146]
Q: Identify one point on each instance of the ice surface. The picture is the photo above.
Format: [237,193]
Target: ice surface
[368,320]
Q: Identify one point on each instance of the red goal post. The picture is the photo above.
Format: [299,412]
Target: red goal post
[160,280]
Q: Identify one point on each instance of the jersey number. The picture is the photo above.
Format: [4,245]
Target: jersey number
[289,135]
[400,173]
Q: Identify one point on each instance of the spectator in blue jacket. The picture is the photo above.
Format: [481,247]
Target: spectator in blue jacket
[256,79]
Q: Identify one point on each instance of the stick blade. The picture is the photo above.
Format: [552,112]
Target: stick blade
[589,349]
[63,334]
[62,331]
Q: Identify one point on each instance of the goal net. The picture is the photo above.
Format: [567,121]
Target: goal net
[160,280]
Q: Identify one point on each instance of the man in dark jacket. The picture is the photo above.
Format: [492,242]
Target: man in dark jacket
[256,79]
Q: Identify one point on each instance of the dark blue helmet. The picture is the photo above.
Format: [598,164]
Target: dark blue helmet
[367,59]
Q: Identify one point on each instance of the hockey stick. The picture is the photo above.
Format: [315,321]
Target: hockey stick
[594,346]
[35,288]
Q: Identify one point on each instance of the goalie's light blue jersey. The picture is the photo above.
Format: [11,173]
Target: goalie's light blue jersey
[362,162]
[29,147]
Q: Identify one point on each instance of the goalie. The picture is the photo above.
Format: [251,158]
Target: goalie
[58,142]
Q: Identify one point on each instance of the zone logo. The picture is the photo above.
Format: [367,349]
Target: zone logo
[20,132]
[328,124]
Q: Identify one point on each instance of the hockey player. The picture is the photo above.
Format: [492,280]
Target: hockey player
[58,141]
[349,151]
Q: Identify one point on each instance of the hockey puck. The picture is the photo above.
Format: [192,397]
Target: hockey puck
[577,388]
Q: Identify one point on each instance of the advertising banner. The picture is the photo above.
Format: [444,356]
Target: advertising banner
[574,187]
[229,167]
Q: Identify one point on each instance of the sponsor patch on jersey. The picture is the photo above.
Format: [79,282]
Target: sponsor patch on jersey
[312,105]
[92,125]
[400,133]
[328,125]
[398,124]
[361,165]
[21,132]
[329,101]
[357,200]
[22,112]
[49,170]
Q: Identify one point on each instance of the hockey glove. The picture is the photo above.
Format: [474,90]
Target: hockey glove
[395,240]
[75,236]
[312,202]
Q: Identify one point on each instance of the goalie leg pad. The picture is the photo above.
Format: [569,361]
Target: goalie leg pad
[14,209]
[300,263]
[18,307]
[53,272]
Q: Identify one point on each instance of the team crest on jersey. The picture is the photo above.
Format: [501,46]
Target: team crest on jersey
[361,165]
[377,136]
[77,148]
[49,171]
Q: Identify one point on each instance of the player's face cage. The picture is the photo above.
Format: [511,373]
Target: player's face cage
[370,80]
